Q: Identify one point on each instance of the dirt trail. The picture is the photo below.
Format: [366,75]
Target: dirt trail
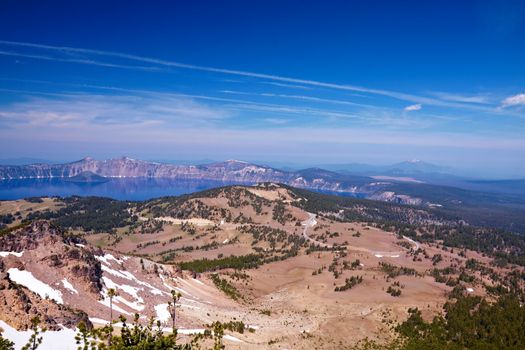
[311,222]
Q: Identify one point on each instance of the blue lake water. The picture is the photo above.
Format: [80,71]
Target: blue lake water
[135,189]
[118,188]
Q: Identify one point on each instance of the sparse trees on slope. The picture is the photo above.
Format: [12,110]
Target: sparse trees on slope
[172,308]
[35,340]
[5,344]
[111,294]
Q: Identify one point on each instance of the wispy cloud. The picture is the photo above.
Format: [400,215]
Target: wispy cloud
[264,76]
[73,110]
[78,60]
[477,99]
[291,86]
[130,107]
[516,100]
[298,97]
[415,107]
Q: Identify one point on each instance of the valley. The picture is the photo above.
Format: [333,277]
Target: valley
[299,269]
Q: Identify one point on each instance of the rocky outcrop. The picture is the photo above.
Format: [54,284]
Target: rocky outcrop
[18,306]
[392,197]
[49,246]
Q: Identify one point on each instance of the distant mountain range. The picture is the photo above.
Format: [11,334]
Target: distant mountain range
[412,183]
[410,167]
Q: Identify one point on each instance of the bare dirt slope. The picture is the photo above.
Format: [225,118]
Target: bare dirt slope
[295,279]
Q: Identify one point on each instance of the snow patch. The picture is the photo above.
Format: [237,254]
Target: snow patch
[4,254]
[130,277]
[106,258]
[191,331]
[199,282]
[51,340]
[27,279]
[156,291]
[137,305]
[105,302]
[69,286]
[98,320]
[232,338]
[163,314]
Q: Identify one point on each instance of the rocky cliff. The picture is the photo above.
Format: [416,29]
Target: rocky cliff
[228,171]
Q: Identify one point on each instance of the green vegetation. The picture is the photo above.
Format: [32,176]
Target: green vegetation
[393,271]
[364,210]
[226,287]
[6,344]
[507,247]
[35,200]
[6,219]
[138,336]
[91,214]
[235,326]
[469,323]
[7,230]
[266,312]
[279,211]
[234,262]
[349,283]
[436,259]
[394,289]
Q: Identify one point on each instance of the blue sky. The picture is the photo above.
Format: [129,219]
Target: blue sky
[297,82]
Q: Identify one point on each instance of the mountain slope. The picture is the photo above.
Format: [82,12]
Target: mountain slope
[294,266]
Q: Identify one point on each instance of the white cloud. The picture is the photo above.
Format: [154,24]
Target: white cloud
[81,110]
[415,107]
[516,100]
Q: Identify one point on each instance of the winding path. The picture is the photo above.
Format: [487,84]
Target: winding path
[311,222]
